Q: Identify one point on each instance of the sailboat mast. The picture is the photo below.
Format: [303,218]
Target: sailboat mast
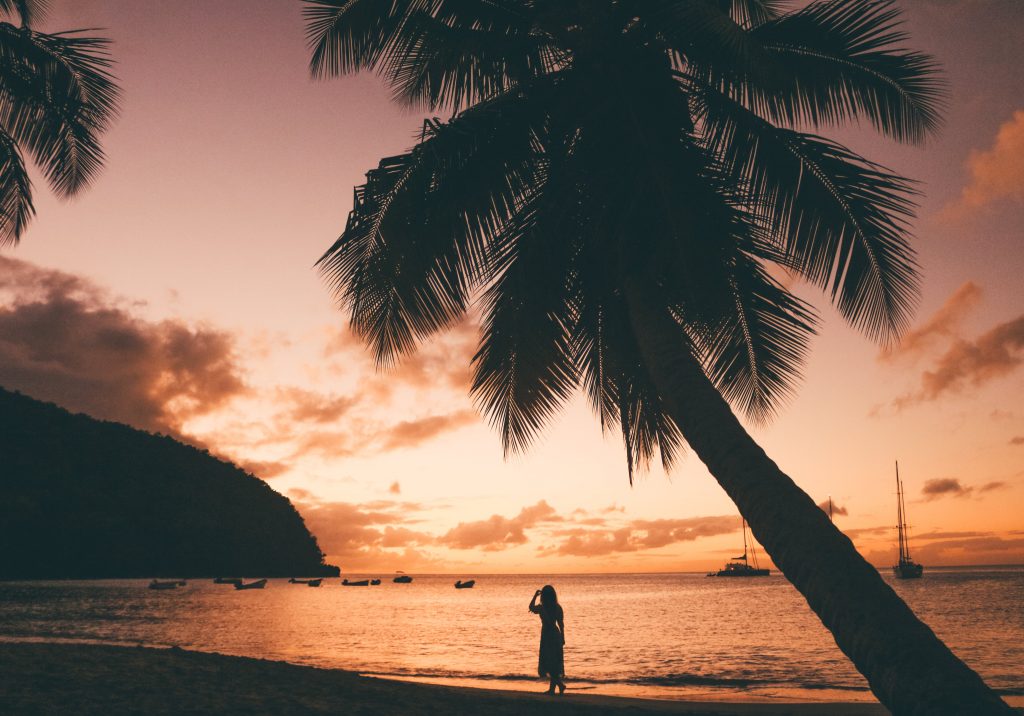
[744,539]
[899,511]
[830,509]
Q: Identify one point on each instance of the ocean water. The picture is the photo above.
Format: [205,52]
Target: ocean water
[654,635]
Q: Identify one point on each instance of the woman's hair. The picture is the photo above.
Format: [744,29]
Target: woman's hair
[548,597]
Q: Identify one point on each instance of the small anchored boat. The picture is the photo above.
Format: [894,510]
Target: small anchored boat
[740,566]
[227,580]
[359,583]
[906,568]
[468,584]
[374,582]
[157,584]
[314,582]
[258,584]
[293,580]
[402,579]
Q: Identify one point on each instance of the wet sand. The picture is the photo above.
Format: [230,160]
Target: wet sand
[88,679]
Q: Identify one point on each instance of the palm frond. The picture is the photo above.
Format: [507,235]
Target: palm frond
[753,356]
[466,51]
[29,11]
[838,219]
[16,208]
[416,241]
[347,36]
[705,33]
[58,96]
[840,60]
[524,370]
[615,378]
[752,13]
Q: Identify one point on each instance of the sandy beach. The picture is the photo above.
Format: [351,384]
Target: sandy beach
[89,679]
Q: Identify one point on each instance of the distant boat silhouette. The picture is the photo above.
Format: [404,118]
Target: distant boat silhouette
[227,580]
[360,583]
[258,584]
[468,584]
[906,568]
[739,566]
[374,582]
[293,580]
[403,579]
[156,584]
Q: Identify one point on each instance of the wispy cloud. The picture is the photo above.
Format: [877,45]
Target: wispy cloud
[995,353]
[944,487]
[996,173]
[497,532]
[638,535]
[952,487]
[941,324]
[1017,440]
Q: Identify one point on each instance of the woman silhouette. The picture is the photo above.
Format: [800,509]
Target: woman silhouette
[552,637]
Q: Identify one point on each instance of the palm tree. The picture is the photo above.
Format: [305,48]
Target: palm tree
[57,97]
[612,186]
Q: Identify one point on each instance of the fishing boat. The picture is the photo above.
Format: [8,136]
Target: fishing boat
[741,566]
[227,580]
[258,584]
[157,584]
[402,579]
[468,584]
[906,568]
[314,582]
[374,582]
[360,583]
[293,580]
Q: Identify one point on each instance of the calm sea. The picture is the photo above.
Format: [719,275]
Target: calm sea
[664,635]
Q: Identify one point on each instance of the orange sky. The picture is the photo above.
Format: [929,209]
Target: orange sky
[178,295]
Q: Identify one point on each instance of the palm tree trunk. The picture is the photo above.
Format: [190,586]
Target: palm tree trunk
[908,668]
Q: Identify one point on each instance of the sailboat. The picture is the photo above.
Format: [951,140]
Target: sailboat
[740,566]
[906,568]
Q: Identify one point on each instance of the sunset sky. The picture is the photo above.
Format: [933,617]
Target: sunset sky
[178,295]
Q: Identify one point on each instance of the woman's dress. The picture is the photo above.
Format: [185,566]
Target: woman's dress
[552,660]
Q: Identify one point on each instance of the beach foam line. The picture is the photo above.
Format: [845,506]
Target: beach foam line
[662,680]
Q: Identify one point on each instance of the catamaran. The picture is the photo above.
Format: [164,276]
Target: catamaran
[906,568]
[740,566]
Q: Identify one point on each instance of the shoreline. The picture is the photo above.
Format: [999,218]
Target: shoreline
[52,678]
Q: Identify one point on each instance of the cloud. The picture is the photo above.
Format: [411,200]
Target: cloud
[1017,440]
[639,535]
[996,173]
[309,406]
[996,353]
[395,488]
[964,548]
[994,485]
[410,433]
[942,323]
[943,486]
[443,362]
[63,339]
[497,532]
[366,536]
[948,486]
[836,508]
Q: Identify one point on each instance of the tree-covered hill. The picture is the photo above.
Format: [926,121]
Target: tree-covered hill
[81,497]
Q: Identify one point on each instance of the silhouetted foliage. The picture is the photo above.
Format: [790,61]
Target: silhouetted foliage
[87,498]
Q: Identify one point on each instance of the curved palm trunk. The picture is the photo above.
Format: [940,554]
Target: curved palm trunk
[908,668]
